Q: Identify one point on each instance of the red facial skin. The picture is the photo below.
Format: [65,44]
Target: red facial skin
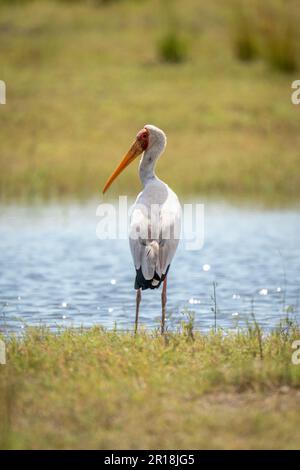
[143,138]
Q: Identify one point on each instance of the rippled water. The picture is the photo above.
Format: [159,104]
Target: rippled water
[54,270]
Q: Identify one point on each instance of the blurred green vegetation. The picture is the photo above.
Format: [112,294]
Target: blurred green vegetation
[110,390]
[171,47]
[84,76]
[268,32]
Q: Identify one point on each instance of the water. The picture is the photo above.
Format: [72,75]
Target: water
[55,272]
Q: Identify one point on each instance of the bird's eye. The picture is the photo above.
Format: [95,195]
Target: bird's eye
[144,135]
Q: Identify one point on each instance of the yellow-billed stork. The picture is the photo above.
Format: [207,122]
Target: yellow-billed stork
[155,218]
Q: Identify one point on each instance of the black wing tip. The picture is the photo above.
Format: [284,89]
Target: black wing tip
[142,283]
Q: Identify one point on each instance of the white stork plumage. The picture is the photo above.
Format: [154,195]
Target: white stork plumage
[155,221]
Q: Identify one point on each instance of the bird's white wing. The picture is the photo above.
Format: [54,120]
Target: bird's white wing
[170,226]
[138,238]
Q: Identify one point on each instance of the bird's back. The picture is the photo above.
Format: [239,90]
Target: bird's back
[154,233]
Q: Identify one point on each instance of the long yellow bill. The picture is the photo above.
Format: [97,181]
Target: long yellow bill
[134,151]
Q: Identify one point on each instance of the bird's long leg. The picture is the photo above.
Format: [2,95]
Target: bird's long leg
[138,301]
[163,305]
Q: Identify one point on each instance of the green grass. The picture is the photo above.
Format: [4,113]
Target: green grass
[107,390]
[83,77]
[267,30]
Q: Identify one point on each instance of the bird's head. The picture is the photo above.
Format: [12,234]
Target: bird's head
[146,138]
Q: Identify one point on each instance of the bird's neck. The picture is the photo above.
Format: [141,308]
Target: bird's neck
[147,164]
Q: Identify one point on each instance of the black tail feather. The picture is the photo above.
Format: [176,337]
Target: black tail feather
[142,283]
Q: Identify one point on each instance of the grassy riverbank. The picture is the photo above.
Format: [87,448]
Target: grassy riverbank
[83,77]
[98,389]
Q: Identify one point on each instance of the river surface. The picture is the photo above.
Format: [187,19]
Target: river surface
[55,271]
